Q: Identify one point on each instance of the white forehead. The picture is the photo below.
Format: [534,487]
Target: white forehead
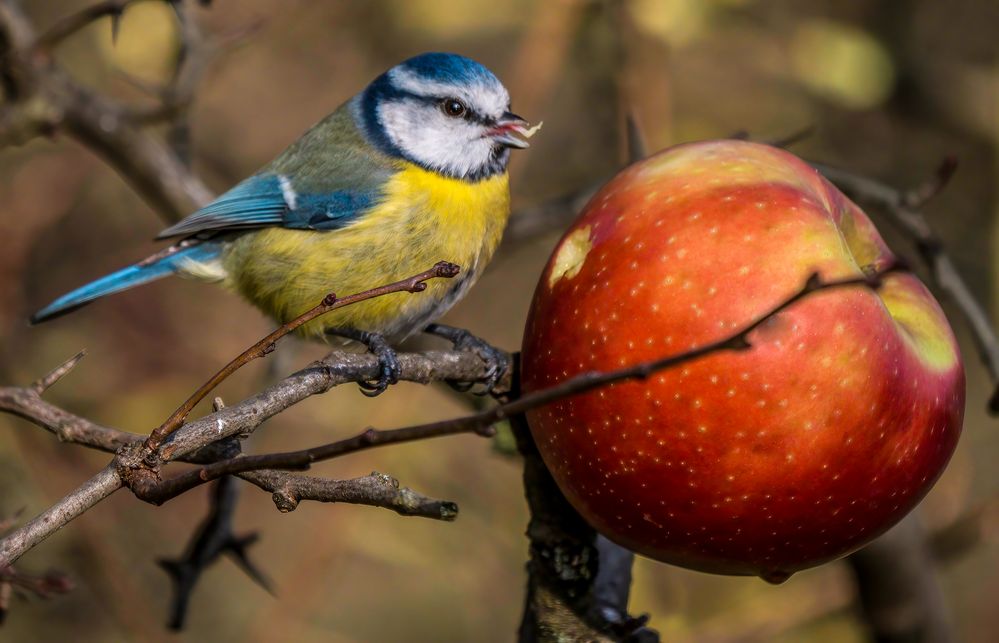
[486,98]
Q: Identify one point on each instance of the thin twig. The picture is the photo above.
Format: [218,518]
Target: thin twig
[414,284]
[156,492]
[375,489]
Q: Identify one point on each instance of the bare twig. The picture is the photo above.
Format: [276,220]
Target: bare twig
[155,491]
[578,583]
[41,98]
[636,141]
[414,284]
[376,490]
[197,441]
[212,538]
[532,221]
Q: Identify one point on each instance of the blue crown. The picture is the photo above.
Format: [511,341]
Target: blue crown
[448,68]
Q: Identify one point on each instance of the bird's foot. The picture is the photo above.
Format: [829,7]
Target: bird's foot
[388,360]
[497,361]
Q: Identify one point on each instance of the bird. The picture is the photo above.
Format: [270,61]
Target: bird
[408,172]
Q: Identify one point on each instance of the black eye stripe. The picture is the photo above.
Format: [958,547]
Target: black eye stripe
[469,115]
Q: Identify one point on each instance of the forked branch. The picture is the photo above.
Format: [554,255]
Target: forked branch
[416,283]
[156,491]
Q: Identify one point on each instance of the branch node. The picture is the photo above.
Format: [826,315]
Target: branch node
[285,500]
[486,431]
[386,479]
[369,436]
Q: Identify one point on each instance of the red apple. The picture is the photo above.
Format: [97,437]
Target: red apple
[795,452]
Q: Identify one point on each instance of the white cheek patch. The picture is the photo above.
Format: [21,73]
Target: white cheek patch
[428,136]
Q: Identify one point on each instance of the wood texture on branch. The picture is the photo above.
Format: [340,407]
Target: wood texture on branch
[375,489]
[17,542]
[131,467]
[415,284]
[147,484]
[41,98]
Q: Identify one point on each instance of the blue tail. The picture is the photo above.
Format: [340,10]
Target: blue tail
[135,275]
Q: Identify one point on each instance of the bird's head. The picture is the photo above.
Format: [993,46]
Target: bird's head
[444,112]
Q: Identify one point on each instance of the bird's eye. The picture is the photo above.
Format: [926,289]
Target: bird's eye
[453,107]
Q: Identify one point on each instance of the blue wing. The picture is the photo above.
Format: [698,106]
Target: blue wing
[272,200]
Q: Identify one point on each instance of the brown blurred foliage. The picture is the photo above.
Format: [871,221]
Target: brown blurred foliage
[892,87]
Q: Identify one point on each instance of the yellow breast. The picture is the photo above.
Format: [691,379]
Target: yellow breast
[422,219]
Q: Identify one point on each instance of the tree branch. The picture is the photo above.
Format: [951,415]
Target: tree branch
[578,582]
[20,540]
[375,490]
[415,284]
[41,98]
[198,441]
[898,589]
[150,488]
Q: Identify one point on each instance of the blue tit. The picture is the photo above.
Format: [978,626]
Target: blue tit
[409,172]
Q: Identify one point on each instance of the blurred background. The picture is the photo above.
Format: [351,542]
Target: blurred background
[891,87]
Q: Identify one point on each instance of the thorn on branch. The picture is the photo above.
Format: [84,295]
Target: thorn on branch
[213,538]
[71,24]
[43,383]
[116,24]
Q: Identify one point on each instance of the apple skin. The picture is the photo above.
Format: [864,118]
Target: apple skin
[795,452]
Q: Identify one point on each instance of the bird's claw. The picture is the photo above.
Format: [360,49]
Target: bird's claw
[388,360]
[388,364]
[497,361]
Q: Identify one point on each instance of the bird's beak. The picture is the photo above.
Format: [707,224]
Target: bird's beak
[508,127]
